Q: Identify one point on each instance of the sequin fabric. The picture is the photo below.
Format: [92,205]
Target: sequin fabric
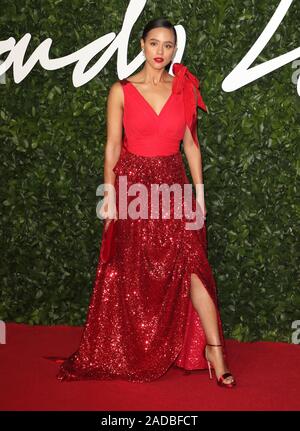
[141,320]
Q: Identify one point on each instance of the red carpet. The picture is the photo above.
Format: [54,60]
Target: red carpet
[267,375]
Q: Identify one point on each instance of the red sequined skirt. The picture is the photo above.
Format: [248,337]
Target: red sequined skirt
[141,320]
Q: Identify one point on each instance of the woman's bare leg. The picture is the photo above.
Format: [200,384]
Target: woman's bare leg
[206,310]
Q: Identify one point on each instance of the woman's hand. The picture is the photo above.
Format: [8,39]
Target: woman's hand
[108,210]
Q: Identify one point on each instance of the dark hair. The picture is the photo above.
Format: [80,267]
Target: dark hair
[158,22]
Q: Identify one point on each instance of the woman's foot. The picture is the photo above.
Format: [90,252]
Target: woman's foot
[214,354]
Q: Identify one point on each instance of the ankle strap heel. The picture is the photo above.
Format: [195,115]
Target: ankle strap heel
[221,379]
[221,345]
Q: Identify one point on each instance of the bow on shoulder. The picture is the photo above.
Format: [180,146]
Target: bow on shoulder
[185,82]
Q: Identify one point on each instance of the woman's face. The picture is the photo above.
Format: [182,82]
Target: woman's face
[160,42]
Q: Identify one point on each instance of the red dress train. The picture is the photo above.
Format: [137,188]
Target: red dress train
[141,320]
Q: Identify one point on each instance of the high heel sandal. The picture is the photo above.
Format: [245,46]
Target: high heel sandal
[220,380]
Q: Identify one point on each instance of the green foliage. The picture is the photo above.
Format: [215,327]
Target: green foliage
[52,142]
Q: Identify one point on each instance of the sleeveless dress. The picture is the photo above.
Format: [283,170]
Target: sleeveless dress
[141,320]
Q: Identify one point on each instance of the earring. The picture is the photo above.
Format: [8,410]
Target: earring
[143,52]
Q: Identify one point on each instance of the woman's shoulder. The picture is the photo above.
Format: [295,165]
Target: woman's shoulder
[115,93]
[116,87]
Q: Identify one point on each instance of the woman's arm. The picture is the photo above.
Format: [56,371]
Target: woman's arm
[113,147]
[194,158]
[114,132]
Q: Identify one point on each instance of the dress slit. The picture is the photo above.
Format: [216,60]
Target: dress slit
[191,355]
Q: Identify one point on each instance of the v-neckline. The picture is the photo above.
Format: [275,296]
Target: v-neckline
[148,104]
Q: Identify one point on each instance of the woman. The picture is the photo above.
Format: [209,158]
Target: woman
[154,302]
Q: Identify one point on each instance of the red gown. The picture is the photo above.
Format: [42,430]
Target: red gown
[141,320]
